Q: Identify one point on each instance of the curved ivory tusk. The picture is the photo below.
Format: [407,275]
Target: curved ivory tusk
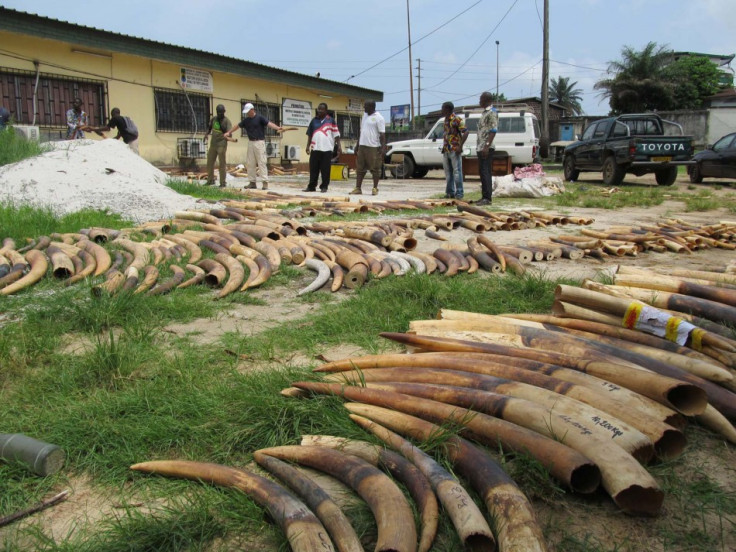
[150,275]
[416,263]
[102,257]
[139,251]
[115,280]
[328,512]
[301,526]
[271,253]
[39,264]
[171,283]
[394,517]
[323,274]
[237,274]
[194,280]
[401,469]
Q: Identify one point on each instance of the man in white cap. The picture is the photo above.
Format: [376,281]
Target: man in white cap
[255,160]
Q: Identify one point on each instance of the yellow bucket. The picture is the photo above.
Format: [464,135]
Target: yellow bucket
[338,171]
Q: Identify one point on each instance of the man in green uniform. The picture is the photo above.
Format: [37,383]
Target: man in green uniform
[219,125]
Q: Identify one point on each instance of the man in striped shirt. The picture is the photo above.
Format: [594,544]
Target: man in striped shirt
[323,143]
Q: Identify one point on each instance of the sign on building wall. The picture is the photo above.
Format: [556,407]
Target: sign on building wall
[355,104]
[196,79]
[296,112]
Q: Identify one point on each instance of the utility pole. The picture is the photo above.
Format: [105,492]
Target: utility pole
[497,43]
[544,140]
[419,87]
[411,69]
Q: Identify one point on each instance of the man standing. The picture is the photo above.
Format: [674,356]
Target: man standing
[4,117]
[452,151]
[255,160]
[371,147]
[76,121]
[323,137]
[219,126]
[487,129]
[126,129]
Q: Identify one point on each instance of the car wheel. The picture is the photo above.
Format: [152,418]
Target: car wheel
[405,169]
[568,167]
[696,176]
[666,177]
[613,173]
[420,172]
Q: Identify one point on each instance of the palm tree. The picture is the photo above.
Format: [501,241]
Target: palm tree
[563,92]
[636,83]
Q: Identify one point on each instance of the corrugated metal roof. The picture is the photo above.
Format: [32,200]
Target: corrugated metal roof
[45,27]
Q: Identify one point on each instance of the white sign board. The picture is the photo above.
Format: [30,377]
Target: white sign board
[296,113]
[196,79]
[355,104]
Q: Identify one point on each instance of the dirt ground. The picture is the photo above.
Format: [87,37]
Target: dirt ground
[86,506]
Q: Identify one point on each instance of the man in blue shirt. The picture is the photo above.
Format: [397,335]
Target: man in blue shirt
[255,160]
[4,117]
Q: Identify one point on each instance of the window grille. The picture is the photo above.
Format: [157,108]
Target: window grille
[54,98]
[181,112]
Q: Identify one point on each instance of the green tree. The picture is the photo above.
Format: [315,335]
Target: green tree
[498,98]
[637,82]
[563,92]
[694,79]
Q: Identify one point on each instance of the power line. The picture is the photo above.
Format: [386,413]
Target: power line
[416,42]
[482,43]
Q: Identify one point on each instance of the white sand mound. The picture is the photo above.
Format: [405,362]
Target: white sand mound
[96,174]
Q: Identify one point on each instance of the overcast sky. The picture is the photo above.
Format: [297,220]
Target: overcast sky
[455,41]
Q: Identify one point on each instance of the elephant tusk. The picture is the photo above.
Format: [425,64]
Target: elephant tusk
[39,264]
[323,274]
[302,528]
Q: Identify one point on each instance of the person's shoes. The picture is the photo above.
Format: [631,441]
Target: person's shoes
[375,191]
[448,196]
[265,186]
[483,201]
[356,191]
[308,189]
[223,185]
[209,183]
[251,186]
[323,190]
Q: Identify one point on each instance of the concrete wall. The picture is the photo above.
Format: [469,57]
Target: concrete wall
[130,82]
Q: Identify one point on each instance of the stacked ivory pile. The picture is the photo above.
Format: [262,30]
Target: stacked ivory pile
[593,398]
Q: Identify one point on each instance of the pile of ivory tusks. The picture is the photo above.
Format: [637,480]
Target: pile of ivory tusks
[246,235]
[254,240]
[591,400]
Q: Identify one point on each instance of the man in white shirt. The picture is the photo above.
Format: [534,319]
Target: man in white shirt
[371,147]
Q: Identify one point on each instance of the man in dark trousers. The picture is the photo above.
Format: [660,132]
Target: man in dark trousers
[219,126]
[255,160]
[487,129]
[125,126]
[323,137]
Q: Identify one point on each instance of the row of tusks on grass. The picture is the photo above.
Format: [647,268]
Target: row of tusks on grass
[593,399]
[255,241]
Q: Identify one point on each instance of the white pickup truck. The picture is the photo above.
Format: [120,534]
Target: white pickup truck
[518,136]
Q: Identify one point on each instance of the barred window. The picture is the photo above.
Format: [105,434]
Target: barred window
[349,126]
[270,111]
[54,98]
[181,112]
